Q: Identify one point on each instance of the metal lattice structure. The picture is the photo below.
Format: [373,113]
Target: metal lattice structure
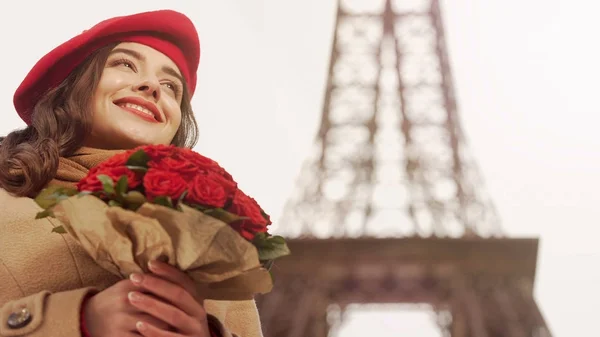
[390,146]
[391,208]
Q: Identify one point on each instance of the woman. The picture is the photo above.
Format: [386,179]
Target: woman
[125,82]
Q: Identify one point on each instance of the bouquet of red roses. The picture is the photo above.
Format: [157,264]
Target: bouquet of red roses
[169,203]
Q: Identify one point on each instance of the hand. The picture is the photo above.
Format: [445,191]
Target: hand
[176,303]
[164,303]
[109,313]
[174,275]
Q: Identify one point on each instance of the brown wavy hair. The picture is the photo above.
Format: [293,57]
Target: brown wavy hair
[61,121]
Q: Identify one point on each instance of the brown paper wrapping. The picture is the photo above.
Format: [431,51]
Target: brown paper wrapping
[222,263]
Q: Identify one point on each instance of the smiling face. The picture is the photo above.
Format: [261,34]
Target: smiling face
[138,99]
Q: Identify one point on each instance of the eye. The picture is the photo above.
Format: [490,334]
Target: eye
[172,86]
[123,62]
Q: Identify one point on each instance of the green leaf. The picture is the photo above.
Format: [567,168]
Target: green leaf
[268,265]
[107,183]
[84,193]
[198,207]
[59,230]
[139,158]
[51,195]
[60,197]
[223,215]
[164,201]
[277,239]
[122,185]
[140,169]
[45,201]
[66,192]
[134,198]
[260,238]
[270,247]
[44,214]
[273,253]
[114,203]
[181,197]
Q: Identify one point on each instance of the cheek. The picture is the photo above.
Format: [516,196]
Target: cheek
[173,112]
[110,83]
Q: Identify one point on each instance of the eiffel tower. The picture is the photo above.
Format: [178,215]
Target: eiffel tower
[391,208]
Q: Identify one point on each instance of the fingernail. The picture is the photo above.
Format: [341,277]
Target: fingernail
[136,278]
[134,296]
[153,265]
[140,326]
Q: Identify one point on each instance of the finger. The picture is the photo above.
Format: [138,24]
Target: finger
[146,318]
[166,312]
[148,330]
[174,275]
[127,322]
[171,292]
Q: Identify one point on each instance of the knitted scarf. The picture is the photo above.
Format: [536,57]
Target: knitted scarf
[76,167]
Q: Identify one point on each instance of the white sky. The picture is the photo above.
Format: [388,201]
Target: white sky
[526,78]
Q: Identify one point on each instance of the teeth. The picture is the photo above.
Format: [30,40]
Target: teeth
[138,108]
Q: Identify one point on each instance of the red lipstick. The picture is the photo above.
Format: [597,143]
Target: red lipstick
[149,106]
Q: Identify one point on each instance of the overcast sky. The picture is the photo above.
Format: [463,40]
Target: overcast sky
[526,79]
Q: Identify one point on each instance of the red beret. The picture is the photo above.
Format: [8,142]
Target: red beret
[167,31]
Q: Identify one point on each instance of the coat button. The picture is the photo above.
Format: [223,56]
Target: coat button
[19,319]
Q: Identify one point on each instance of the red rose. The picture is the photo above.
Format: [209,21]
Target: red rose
[247,229]
[183,167]
[229,185]
[201,162]
[189,164]
[206,192]
[224,174]
[92,184]
[116,160]
[227,176]
[158,151]
[162,183]
[245,206]
[266,216]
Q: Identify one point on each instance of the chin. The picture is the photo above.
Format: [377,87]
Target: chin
[127,132]
[140,142]
[120,143]
[141,136]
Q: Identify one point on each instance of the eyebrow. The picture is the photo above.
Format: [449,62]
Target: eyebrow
[140,57]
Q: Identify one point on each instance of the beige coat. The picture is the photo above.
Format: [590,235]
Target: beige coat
[49,274]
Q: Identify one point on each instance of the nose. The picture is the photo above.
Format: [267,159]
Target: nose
[150,88]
